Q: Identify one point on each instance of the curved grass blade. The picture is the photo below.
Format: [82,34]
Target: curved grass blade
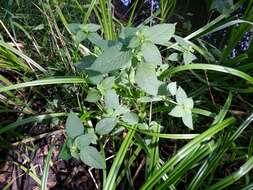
[129,163]
[111,178]
[63,80]
[248,187]
[153,159]
[228,24]
[25,57]
[162,135]
[33,119]
[244,169]
[220,117]
[207,27]
[88,13]
[211,163]
[46,169]
[29,172]
[211,67]
[186,150]
[188,163]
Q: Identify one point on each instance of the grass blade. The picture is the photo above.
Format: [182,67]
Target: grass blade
[211,67]
[33,119]
[211,163]
[111,179]
[244,169]
[46,169]
[186,150]
[36,65]
[220,117]
[63,80]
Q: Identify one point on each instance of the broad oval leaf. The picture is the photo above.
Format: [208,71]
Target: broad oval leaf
[92,27]
[173,57]
[172,87]
[93,96]
[111,99]
[84,140]
[74,126]
[106,125]
[180,95]
[107,83]
[177,111]
[84,65]
[160,34]
[151,53]
[91,157]
[187,119]
[112,59]
[130,118]
[80,36]
[121,110]
[146,78]
[188,57]
[188,103]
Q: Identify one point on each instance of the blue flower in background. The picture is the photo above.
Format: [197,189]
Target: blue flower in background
[126,2]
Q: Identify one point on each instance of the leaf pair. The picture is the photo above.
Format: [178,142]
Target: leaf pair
[79,143]
[146,78]
[184,106]
[82,31]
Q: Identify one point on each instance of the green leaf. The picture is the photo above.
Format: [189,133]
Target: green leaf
[173,57]
[151,53]
[127,34]
[94,76]
[91,157]
[93,96]
[84,140]
[182,42]
[188,57]
[121,110]
[64,153]
[111,99]
[112,59]
[172,87]
[69,142]
[187,119]
[130,118]
[91,132]
[160,34]
[74,27]
[106,125]
[98,41]
[92,27]
[74,126]
[177,111]
[84,65]
[134,42]
[163,90]
[146,78]
[107,83]
[188,103]
[180,95]
[80,36]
